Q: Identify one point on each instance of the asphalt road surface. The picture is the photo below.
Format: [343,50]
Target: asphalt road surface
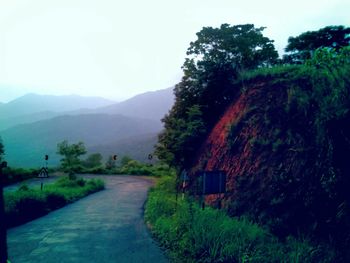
[106,226]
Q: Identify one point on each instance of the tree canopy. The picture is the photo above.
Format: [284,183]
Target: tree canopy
[303,46]
[71,153]
[93,160]
[110,163]
[213,63]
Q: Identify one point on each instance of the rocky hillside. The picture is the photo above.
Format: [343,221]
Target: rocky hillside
[283,143]
[279,129]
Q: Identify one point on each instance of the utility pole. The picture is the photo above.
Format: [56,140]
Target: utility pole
[3,242]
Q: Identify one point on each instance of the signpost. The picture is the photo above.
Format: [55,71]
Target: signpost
[44,172]
[185,179]
[3,242]
[212,182]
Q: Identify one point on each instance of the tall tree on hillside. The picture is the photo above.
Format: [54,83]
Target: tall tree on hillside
[214,60]
[301,48]
[213,63]
[71,153]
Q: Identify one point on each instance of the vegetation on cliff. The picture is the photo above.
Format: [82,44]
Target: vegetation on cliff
[291,148]
[191,234]
[278,128]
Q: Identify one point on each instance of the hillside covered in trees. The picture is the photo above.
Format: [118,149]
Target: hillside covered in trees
[279,128]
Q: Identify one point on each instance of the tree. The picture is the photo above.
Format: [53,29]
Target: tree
[2,150]
[180,141]
[93,160]
[125,160]
[214,61]
[111,163]
[212,65]
[302,47]
[71,162]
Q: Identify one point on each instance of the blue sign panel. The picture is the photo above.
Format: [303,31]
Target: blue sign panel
[212,182]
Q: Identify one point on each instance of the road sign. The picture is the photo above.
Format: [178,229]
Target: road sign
[150,157]
[46,157]
[44,173]
[212,182]
[115,157]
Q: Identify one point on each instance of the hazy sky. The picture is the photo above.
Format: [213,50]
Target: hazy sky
[117,49]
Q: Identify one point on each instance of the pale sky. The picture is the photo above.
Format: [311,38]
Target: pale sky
[117,49]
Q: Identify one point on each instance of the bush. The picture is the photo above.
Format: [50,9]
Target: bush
[14,175]
[191,234]
[27,204]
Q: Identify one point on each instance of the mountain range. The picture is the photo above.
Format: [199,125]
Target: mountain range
[34,103]
[32,107]
[126,128]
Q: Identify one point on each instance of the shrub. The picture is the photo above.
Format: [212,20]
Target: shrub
[191,234]
[14,175]
[27,204]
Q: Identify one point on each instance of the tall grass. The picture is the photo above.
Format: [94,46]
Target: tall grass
[191,234]
[26,204]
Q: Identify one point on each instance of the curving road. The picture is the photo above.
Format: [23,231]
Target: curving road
[104,227]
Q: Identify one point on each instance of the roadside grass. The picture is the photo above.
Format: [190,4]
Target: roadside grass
[191,234]
[132,167]
[14,175]
[26,203]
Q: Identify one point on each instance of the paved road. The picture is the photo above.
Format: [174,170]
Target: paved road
[104,227]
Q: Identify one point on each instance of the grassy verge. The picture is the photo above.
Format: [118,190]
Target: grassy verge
[27,204]
[14,175]
[191,234]
[132,167]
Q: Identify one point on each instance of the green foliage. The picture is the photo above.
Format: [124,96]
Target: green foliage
[111,163]
[133,167]
[235,127]
[71,162]
[2,150]
[27,204]
[125,160]
[212,66]
[128,166]
[93,160]
[191,234]
[302,184]
[14,175]
[302,144]
[181,138]
[303,46]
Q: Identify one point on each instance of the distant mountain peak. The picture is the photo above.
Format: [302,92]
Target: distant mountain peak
[149,105]
[33,103]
